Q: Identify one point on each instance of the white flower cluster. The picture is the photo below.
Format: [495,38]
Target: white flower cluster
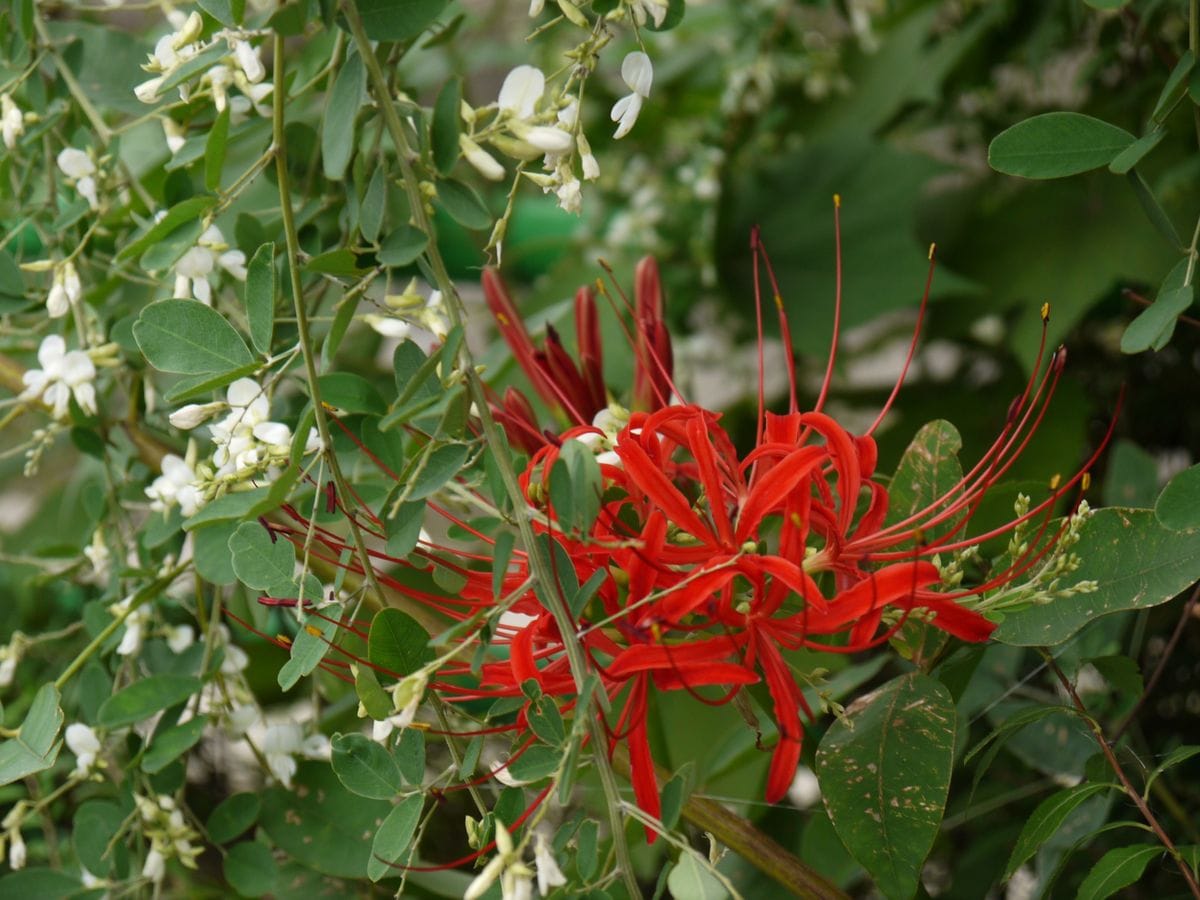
[80,170]
[515,875]
[63,374]
[170,835]
[412,310]
[247,443]
[283,742]
[241,68]
[85,744]
[198,266]
[65,290]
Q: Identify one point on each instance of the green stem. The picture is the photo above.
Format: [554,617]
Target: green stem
[539,562]
[1115,765]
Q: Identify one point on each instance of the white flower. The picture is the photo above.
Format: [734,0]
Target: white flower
[98,555]
[180,637]
[8,667]
[516,882]
[135,627]
[570,198]
[62,375]
[193,269]
[75,164]
[638,75]
[155,866]
[549,875]
[16,849]
[536,7]
[543,137]
[484,163]
[65,290]
[174,134]
[247,57]
[147,91]
[805,790]
[656,9]
[12,122]
[177,484]
[591,168]
[79,169]
[188,417]
[522,89]
[82,741]
[283,742]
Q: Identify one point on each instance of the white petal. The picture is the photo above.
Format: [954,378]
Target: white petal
[77,368]
[637,72]
[85,396]
[274,433]
[234,262]
[75,163]
[202,290]
[247,58]
[546,139]
[51,353]
[57,302]
[87,190]
[196,263]
[522,89]
[81,739]
[626,112]
[242,392]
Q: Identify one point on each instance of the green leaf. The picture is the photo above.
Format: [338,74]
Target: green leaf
[1121,672]
[337,131]
[1175,87]
[397,643]
[187,337]
[94,823]
[536,763]
[464,205]
[692,879]
[289,20]
[201,62]
[1153,209]
[260,297]
[370,210]
[198,385]
[364,767]
[259,562]
[404,528]
[546,722]
[1057,144]
[440,466]
[34,748]
[885,773]
[144,698]
[1106,4]
[1046,820]
[250,869]
[1174,758]
[394,836]
[173,743]
[575,487]
[321,823]
[1136,563]
[341,262]
[444,131]
[403,246]
[1132,476]
[167,252]
[1117,869]
[927,472]
[1178,506]
[12,280]
[1155,324]
[240,505]
[189,210]
[227,12]
[374,699]
[386,20]
[1135,152]
[310,645]
[214,151]
[351,392]
[410,756]
[675,11]
[233,816]
[39,884]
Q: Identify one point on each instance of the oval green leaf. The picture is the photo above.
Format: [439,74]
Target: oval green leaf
[403,246]
[173,743]
[1117,869]
[144,698]
[394,836]
[1178,506]
[397,643]
[1046,820]
[250,869]
[1057,144]
[885,774]
[337,131]
[443,134]
[260,297]
[692,879]
[464,205]
[189,338]
[233,816]
[34,748]
[364,767]
[1136,563]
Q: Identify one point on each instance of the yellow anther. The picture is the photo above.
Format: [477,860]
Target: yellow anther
[313,630]
[1054,482]
[837,201]
[778,302]
[419,726]
[1046,312]
[656,630]
[502,319]
[1086,481]
[797,520]
[932,250]
[284,640]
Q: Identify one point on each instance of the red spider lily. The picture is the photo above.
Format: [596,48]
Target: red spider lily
[709,566]
[576,392]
